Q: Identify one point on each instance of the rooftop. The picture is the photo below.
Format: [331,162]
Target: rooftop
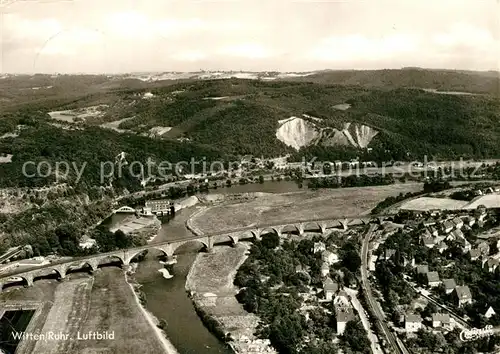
[330,285]
[413,318]
[463,292]
[344,314]
[422,268]
[449,283]
[432,276]
[441,317]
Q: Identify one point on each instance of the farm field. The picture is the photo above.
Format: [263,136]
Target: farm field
[429,203]
[113,309]
[104,302]
[292,207]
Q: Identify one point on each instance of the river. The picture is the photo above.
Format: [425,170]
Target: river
[167,298]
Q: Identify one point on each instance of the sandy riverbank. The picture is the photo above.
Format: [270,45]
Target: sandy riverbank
[210,282]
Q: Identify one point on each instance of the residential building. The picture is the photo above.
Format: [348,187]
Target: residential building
[447,226]
[458,223]
[428,222]
[342,299]
[458,234]
[422,269]
[442,320]
[469,221]
[464,295]
[466,246]
[433,279]
[413,323]
[425,233]
[433,231]
[373,262]
[342,316]
[389,253]
[300,269]
[428,242]
[484,248]
[330,288]
[442,247]
[492,264]
[319,247]
[410,262]
[329,257]
[325,269]
[449,285]
[490,313]
[474,254]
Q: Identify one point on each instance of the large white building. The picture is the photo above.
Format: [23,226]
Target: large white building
[157,206]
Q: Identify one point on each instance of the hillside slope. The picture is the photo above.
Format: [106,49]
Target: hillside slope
[238,117]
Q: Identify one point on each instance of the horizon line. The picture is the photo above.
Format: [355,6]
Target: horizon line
[246,71]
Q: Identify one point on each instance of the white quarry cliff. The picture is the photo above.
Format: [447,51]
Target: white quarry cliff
[297,132]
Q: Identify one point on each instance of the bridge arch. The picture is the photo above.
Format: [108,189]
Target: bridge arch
[291,229]
[249,235]
[269,230]
[109,260]
[82,267]
[176,246]
[228,238]
[25,280]
[130,255]
[312,226]
[49,274]
[125,209]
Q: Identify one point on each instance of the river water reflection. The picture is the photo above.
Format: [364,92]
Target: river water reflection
[167,298]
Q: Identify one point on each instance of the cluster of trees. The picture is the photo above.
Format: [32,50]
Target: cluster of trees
[54,227]
[270,286]
[434,186]
[466,195]
[108,241]
[387,202]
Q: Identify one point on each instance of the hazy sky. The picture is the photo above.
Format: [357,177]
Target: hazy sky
[282,35]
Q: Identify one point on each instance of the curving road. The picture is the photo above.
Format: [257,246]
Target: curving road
[395,344]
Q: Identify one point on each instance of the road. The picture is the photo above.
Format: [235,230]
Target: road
[461,322]
[11,254]
[395,344]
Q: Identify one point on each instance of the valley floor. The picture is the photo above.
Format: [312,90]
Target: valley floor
[83,304]
[290,207]
[210,281]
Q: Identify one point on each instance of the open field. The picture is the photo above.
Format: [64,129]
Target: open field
[211,278]
[429,203]
[113,308]
[214,272]
[69,311]
[291,207]
[489,201]
[81,303]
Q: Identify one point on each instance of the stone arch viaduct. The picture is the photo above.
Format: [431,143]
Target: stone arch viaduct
[125,256]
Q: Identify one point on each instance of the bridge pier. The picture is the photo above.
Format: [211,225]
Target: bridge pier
[62,271]
[29,279]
